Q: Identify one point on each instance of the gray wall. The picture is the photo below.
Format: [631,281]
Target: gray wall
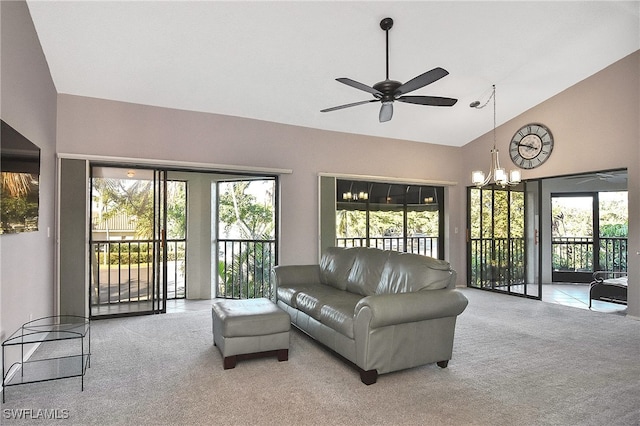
[28,103]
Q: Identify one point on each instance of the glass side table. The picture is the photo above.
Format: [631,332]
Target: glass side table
[68,351]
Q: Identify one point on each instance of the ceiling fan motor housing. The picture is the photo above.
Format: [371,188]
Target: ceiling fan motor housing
[388,89]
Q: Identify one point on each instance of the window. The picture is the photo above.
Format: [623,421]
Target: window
[400,217]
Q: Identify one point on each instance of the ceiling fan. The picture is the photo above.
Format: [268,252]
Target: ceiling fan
[388,91]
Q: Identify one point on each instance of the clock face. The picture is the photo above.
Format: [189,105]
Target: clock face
[531,146]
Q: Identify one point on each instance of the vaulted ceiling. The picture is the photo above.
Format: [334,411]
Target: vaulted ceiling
[278,60]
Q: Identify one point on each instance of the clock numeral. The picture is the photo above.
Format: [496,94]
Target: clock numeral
[544,152]
[529,164]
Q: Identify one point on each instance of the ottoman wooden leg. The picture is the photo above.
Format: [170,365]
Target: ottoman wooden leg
[283,355]
[230,362]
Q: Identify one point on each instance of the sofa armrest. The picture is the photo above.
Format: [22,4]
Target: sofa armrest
[452,279]
[285,275]
[388,309]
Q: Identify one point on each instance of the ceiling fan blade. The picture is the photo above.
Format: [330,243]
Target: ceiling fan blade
[428,100]
[348,105]
[421,81]
[386,111]
[360,86]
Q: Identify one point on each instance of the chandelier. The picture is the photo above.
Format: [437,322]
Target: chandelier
[355,196]
[497,173]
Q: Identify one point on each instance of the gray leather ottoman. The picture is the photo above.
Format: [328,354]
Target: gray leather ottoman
[251,328]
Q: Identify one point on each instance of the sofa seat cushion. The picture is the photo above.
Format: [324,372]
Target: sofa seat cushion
[311,300]
[288,294]
[340,313]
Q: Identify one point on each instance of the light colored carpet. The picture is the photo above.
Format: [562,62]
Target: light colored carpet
[515,362]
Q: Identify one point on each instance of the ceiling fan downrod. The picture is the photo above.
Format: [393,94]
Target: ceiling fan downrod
[386,24]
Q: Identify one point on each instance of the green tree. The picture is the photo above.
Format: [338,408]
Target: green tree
[135,199]
[245,269]
[242,214]
[18,202]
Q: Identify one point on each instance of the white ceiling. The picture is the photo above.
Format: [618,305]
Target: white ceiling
[277,61]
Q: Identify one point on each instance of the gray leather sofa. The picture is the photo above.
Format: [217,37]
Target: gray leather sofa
[381,310]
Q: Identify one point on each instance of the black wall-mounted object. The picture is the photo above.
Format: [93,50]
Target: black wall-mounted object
[18,154]
[20,184]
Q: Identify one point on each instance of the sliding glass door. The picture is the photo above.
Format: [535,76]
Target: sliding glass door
[129,250]
[246,243]
[503,239]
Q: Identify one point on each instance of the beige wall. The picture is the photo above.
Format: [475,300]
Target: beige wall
[28,103]
[596,126]
[107,128]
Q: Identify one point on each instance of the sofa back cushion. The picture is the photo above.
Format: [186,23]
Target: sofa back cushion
[407,272]
[335,266]
[366,271]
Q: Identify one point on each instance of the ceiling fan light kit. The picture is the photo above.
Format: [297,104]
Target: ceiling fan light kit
[388,91]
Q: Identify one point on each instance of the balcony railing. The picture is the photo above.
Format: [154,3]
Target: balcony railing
[576,254]
[122,271]
[497,262]
[244,268]
[426,246]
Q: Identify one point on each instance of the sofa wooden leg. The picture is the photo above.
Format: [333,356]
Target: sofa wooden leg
[369,377]
[230,362]
[443,364]
[283,354]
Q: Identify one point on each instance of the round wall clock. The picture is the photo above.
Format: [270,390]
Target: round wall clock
[531,146]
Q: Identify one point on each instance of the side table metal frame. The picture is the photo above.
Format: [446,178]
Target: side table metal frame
[40,331]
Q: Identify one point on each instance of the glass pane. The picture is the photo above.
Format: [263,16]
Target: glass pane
[351,228]
[246,238]
[487,213]
[388,216]
[386,230]
[614,220]
[122,258]
[614,230]
[517,214]
[474,206]
[422,232]
[176,209]
[501,215]
[572,233]
[246,209]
